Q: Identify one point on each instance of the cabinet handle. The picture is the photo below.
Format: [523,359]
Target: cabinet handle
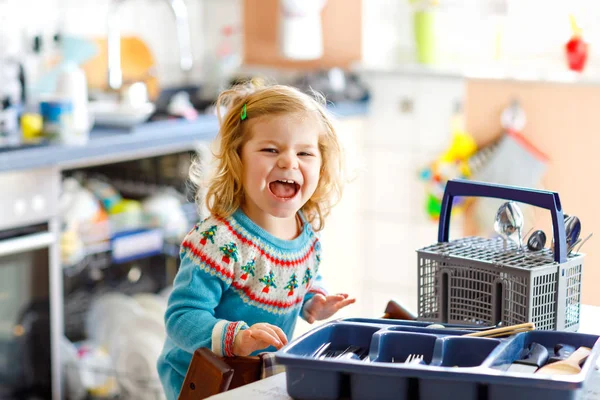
[406,105]
[27,243]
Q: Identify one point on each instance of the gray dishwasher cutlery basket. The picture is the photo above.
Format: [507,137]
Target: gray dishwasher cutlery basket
[479,281]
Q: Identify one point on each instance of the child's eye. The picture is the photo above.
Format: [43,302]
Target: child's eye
[269,150]
[304,153]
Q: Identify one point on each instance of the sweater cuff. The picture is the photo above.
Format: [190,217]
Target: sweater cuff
[318,289]
[223,336]
[308,296]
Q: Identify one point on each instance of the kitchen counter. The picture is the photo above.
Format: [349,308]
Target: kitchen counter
[111,145]
[274,387]
[151,139]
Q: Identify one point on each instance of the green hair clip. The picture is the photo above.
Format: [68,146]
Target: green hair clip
[243,114]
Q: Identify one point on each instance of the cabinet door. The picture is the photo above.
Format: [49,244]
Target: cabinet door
[391,121]
[342,266]
[390,184]
[437,101]
[391,135]
[409,126]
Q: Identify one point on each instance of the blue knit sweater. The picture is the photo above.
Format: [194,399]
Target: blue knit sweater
[234,274]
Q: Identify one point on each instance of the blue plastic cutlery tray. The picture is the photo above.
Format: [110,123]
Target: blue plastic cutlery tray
[456,367]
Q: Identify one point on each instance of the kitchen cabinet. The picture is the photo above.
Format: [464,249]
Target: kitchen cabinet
[408,125]
[342,35]
[391,119]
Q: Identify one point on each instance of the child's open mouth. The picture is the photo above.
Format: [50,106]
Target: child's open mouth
[284,189]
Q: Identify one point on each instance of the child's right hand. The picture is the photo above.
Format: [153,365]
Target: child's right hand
[257,337]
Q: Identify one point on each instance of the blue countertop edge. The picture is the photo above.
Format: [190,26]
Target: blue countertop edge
[154,138]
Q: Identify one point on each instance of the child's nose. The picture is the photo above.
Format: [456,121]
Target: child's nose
[287,161]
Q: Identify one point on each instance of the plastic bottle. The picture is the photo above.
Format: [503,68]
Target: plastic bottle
[72,87]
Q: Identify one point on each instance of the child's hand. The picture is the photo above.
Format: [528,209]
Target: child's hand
[321,307]
[257,337]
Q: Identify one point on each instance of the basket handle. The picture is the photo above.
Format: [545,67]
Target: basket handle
[539,198]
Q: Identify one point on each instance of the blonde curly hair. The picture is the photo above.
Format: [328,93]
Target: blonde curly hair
[225,192]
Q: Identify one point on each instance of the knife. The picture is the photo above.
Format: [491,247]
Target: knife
[535,356]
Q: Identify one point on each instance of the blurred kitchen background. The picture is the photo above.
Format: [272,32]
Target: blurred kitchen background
[105,103]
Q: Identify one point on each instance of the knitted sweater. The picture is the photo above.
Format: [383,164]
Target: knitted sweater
[234,274]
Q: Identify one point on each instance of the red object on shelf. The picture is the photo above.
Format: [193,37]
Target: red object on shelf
[577,53]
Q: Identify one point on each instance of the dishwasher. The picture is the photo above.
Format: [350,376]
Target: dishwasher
[115,295]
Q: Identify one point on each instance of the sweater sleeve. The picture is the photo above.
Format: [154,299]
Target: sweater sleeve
[317,285]
[197,290]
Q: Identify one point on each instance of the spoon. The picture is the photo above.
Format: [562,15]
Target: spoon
[509,220]
[537,241]
[572,230]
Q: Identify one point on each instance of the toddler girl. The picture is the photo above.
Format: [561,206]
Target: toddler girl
[250,269]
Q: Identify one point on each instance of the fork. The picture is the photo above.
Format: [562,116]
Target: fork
[414,359]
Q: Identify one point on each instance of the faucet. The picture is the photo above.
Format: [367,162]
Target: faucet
[180,12]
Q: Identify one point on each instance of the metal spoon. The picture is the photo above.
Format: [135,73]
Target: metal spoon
[509,219]
[537,241]
[572,230]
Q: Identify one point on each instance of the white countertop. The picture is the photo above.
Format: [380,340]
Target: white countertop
[274,388]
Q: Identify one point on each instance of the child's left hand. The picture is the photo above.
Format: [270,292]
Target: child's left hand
[321,307]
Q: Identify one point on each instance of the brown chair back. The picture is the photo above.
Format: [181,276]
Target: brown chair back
[209,374]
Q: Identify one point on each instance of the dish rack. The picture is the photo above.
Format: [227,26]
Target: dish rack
[124,237]
[481,281]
